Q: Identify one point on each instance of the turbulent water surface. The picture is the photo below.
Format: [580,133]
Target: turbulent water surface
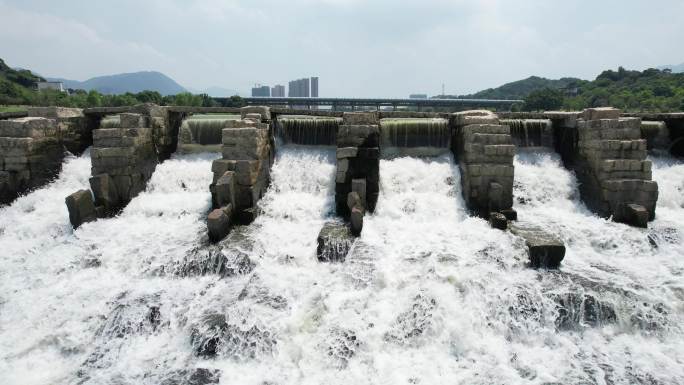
[427,295]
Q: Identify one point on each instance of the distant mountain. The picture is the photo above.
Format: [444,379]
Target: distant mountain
[129,82]
[521,88]
[675,68]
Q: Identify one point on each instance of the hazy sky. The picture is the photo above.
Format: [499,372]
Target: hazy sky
[387,48]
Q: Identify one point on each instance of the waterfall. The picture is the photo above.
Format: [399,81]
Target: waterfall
[309,130]
[428,294]
[207,128]
[529,132]
[415,137]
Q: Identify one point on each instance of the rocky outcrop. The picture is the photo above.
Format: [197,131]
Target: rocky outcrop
[242,176]
[484,149]
[30,155]
[615,177]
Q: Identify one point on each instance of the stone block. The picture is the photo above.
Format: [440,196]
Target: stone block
[358,136]
[220,166]
[129,120]
[498,221]
[545,250]
[241,124]
[342,165]
[347,152]
[55,112]
[356,220]
[105,193]
[253,116]
[600,113]
[247,171]
[28,128]
[637,215]
[225,189]
[334,242]
[81,208]
[359,186]
[353,200]
[263,111]
[463,118]
[341,176]
[492,129]
[218,223]
[361,118]
[487,139]
[245,152]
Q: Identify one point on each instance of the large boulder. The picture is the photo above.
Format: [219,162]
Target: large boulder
[218,223]
[334,242]
[544,249]
[81,208]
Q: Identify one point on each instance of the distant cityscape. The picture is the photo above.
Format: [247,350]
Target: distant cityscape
[300,88]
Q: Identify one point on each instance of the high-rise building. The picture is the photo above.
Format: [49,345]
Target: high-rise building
[303,88]
[261,91]
[314,87]
[278,91]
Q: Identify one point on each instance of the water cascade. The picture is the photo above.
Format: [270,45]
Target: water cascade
[205,129]
[414,137]
[530,132]
[426,295]
[308,130]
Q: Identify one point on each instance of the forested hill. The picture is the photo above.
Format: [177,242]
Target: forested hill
[648,90]
[15,84]
[521,88]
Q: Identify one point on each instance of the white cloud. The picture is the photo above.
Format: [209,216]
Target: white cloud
[357,47]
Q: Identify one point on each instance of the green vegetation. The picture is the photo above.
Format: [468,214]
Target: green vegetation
[17,87]
[545,99]
[522,88]
[648,90]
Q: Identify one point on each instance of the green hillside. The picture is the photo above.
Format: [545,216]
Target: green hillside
[16,86]
[648,90]
[521,88]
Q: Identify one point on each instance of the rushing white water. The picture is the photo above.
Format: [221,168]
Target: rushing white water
[427,295]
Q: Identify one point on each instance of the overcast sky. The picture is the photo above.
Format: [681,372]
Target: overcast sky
[372,48]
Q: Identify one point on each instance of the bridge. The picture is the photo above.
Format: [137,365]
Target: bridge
[355,103]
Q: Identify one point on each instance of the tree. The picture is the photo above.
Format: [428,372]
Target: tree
[545,99]
[94,99]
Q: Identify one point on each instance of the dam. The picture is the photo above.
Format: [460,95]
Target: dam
[264,245]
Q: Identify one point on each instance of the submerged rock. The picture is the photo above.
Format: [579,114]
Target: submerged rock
[342,346]
[334,242]
[213,260]
[197,376]
[576,310]
[233,336]
[413,322]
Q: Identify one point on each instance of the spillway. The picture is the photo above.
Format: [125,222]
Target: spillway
[309,130]
[414,137]
[427,294]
